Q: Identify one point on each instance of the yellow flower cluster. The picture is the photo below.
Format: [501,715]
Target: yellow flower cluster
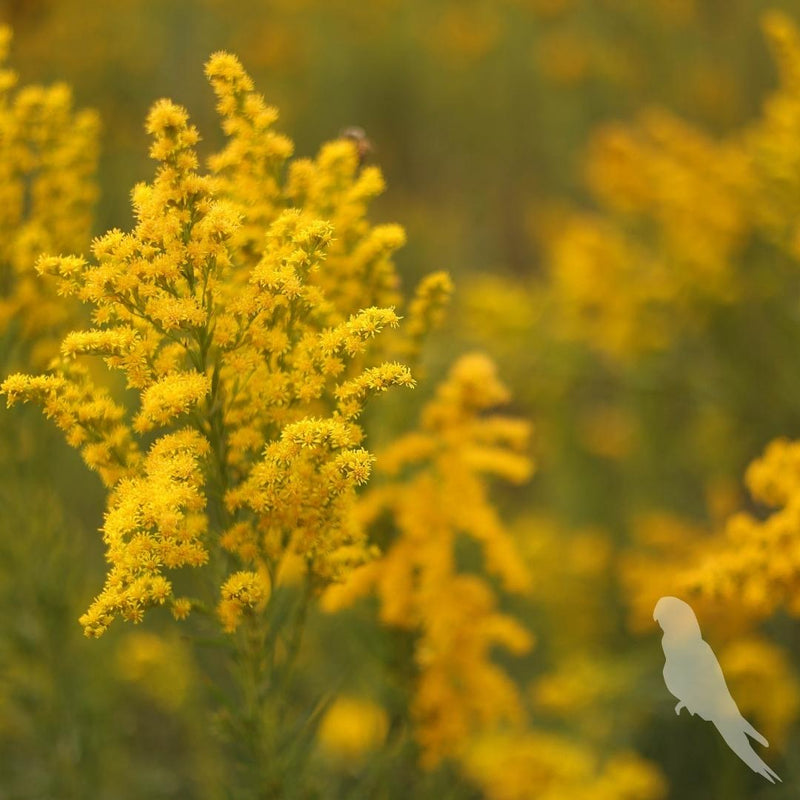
[426,311]
[155,521]
[460,690]
[241,308]
[91,419]
[48,158]
[757,562]
[332,187]
[242,591]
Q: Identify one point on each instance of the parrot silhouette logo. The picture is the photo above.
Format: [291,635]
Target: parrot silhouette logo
[693,674]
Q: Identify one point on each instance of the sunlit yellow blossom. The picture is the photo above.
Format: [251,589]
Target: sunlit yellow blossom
[675,218]
[679,213]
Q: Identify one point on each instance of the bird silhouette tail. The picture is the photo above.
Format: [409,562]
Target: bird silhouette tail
[753,733]
[734,731]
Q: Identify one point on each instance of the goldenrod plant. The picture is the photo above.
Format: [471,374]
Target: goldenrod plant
[242,310]
[246,371]
[435,492]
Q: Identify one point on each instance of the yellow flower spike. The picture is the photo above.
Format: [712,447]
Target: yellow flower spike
[98,342]
[247,168]
[144,528]
[169,397]
[352,395]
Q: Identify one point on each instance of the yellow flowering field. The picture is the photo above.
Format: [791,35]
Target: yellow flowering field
[369,372]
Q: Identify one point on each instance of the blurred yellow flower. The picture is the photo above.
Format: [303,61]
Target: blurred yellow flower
[764,684]
[507,767]
[48,159]
[159,665]
[352,727]
[757,560]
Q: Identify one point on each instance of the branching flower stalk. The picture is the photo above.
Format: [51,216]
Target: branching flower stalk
[242,310]
[435,491]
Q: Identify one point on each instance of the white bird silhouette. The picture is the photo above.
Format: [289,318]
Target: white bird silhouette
[693,674]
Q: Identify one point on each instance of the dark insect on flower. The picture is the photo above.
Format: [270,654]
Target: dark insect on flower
[359,137]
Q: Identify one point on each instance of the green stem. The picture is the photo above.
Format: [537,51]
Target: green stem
[293,647]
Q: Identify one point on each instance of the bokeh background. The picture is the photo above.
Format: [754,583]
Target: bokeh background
[614,187]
